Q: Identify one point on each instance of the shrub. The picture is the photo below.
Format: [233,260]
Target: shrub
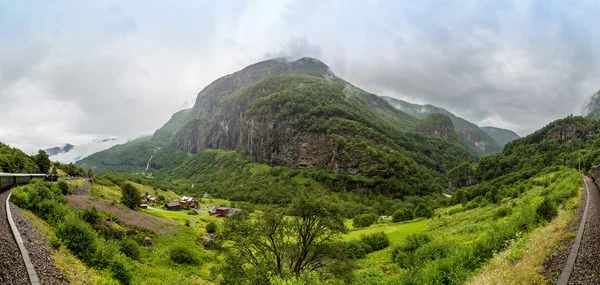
[64,188]
[120,271]
[364,220]
[104,255]
[403,214]
[375,241]
[502,212]
[355,250]
[90,215]
[415,241]
[55,242]
[423,210]
[211,227]
[130,248]
[183,255]
[79,237]
[547,210]
[130,196]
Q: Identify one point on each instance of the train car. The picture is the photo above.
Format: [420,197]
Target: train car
[9,180]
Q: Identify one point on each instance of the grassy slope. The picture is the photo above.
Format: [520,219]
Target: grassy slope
[523,261]
[457,228]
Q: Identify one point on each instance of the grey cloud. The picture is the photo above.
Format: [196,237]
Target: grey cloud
[296,48]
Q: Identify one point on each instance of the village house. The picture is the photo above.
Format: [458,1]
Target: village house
[143,206]
[223,211]
[150,198]
[173,206]
[188,202]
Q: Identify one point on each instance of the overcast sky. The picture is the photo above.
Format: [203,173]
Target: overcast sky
[74,71]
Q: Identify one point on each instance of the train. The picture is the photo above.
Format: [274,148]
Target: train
[10,180]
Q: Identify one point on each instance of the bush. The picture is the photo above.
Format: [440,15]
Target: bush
[423,210]
[364,220]
[375,241]
[121,272]
[547,210]
[90,215]
[104,255]
[403,214]
[211,227]
[355,250]
[183,255]
[130,248]
[79,237]
[64,188]
[415,241]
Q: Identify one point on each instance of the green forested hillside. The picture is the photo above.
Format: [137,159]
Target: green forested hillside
[130,157]
[502,136]
[13,160]
[469,134]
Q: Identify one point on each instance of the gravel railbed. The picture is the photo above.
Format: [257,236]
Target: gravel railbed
[12,268]
[38,249]
[555,263]
[587,265]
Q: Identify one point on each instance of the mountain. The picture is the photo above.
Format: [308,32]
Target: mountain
[56,150]
[437,125]
[71,154]
[300,115]
[502,136]
[591,109]
[470,134]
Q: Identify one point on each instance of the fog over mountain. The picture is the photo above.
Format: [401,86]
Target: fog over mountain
[74,71]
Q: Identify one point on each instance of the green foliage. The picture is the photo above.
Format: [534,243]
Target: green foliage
[262,247]
[547,210]
[364,220]
[403,214]
[130,196]
[211,227]
[375,242]
[43,161]
[121,271]
[131,157]
[130,248]
[79,237]
[13,160]
[90,215]
[183,255]
[64,187]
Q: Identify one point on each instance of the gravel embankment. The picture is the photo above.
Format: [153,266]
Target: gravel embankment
[38,249]
[12,268]
[587,265]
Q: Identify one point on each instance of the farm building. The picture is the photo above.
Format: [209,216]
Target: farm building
[173,206]
[143,206]
[223,211]
[188,202]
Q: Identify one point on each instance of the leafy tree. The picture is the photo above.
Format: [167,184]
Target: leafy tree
[403,214]
[43,161]
[130,196]
[271,244]
[211,227]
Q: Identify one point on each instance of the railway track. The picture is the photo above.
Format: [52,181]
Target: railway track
[12,266]
[582,263]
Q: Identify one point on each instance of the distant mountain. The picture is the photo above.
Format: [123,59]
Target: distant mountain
[299,115]
[71,154]
[56,150]
[502,136]
[437,125]
[468,133]
[591,109]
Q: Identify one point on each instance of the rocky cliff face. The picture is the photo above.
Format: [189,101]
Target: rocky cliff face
[569,133]
[299,114]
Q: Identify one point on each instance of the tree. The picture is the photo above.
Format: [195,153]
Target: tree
[130,196]
[273,244]
[364,220]
[43,161]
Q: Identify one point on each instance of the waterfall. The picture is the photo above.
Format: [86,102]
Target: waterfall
[148,165]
